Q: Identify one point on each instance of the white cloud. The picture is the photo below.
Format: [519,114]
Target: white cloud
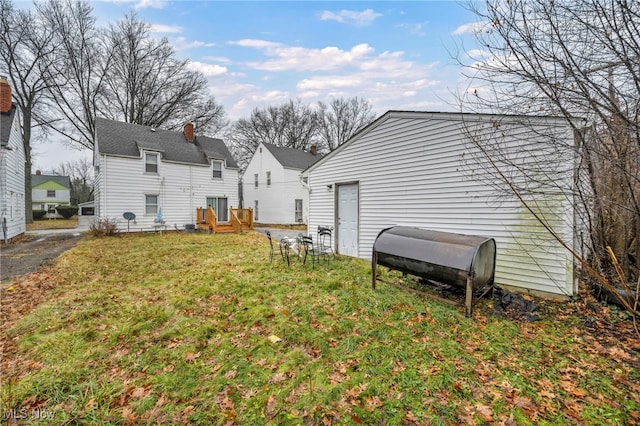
[209,70]
[330,82]
[181,43]
[414,29]
[160,28]
[366,17]
[257,44]
[156,4]
[470,28]
[217,59]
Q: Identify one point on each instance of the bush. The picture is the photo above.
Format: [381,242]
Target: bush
[67,212]
[39,214]
[104,228]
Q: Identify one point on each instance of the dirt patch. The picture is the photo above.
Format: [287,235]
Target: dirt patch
[33,252]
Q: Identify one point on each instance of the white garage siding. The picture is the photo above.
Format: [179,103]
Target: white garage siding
[418,169]
[181,189]
[12,190]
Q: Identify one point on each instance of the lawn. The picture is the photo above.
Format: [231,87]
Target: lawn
[53,224]
[202,329]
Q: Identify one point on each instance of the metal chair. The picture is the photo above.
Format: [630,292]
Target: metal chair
[273,248]
[311,249]
[325,240]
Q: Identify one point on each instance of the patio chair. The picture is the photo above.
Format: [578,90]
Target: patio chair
[273,248]
[311,249]
[325,240]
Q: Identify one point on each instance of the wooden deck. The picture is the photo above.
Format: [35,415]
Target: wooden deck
[240,220]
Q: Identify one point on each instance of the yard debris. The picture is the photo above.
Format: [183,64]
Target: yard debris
[274,339]
[513,306]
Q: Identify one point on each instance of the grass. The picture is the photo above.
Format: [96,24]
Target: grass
[53,224]
[181,329]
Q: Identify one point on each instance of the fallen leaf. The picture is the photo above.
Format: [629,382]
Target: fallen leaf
[270,409]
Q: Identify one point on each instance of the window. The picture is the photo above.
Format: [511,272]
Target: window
[268,178]
[255,180]
[151,204]
[298,210]
[217,169]
[51,193]
[255,210]
[151,163]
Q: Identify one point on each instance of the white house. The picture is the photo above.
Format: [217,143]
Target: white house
[272,185]
[160,175]
[12,173]
[424,169]
[50,191]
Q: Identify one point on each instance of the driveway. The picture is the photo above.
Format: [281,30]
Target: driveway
[35,250]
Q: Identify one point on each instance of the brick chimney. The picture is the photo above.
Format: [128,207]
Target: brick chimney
[5,95]
[313,149]
[189,131]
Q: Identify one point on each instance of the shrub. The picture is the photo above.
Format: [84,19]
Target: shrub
[67,211]
[104,228]
[39,214]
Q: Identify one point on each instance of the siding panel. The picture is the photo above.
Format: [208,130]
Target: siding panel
[420,171]
[180,188]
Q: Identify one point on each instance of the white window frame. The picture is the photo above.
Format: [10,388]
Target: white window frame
[255,209]
[215,164]
[255,180]
[298,213]
[147,204]
[268,178]
[147,156]
[51,191]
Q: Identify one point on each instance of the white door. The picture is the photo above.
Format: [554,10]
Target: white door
[348,219]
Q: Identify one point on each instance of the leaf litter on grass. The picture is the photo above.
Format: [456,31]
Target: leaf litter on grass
[175,329]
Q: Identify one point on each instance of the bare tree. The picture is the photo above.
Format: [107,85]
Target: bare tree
[292,125]
[25,48]
[341,119]
[149,85]
[81,175]
[577,58]
[76,73]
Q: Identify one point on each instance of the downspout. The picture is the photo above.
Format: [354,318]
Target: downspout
[104,192]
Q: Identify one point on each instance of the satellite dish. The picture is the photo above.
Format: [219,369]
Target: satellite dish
[129,216]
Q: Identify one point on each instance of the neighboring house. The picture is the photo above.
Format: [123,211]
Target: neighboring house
[160,175]
[50,191]
[12,174]
[420,169]
[272,185]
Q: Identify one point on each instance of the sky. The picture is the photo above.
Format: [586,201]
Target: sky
[398,55]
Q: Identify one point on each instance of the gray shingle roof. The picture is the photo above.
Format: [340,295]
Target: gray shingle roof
[126,139]
[292,158]
[62,180]
[6,121]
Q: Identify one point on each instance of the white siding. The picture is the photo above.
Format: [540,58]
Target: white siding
[419,171]
[277,201]
[12,193]
[121,186]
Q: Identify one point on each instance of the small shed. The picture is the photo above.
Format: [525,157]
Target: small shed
[426,170]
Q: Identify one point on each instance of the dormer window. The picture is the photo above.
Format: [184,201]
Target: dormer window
[151,162]
[217,169]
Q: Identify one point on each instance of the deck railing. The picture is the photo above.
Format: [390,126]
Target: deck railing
[245,216]
[239,219]
[207,217]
